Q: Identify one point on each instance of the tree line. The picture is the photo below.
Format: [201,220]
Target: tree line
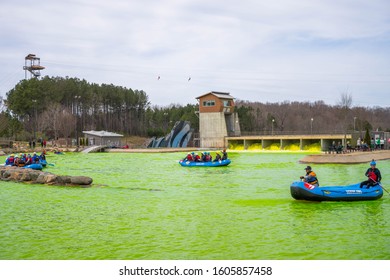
[56,107]
[311,117]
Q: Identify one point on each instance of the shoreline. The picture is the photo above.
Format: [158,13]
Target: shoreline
[154,150]
[320,158]
[349,158]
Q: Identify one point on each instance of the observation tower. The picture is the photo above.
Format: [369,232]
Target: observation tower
[32,65]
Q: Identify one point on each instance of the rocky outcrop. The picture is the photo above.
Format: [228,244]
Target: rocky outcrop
[18,174]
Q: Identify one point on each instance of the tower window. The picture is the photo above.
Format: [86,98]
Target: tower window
[227,103]
[208,103]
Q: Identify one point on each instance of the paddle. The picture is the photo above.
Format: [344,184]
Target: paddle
[380,185]
[51,164]
[383,188]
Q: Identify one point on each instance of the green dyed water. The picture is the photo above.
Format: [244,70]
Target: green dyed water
[146,206]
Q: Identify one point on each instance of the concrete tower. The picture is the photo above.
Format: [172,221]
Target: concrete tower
[217,119]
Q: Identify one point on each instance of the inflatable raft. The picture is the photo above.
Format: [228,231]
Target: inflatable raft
[36,166]
[187,163]
[305,191]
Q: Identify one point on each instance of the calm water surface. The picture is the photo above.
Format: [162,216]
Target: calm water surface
[146,206]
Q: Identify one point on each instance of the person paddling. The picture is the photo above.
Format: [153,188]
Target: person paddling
[310,177]
[224,154]
[188,157]
[373,174]
[10,160]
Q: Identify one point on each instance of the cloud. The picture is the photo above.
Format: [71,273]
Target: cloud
[265,51]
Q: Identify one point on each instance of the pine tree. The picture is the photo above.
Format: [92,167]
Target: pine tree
[367,138]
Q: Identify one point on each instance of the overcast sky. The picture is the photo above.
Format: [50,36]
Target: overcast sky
[260,50]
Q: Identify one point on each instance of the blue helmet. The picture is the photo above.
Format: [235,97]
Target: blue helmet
[373,162]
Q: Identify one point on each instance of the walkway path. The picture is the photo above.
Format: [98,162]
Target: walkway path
[354,157]
[92,149]
[152,150]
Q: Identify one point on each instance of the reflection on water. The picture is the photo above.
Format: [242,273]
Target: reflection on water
[146,206]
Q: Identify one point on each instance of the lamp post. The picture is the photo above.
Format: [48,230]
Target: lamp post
[311,126]
[77,98]
[354,122]
[273,120]
[35,118]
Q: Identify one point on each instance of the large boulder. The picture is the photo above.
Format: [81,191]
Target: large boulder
[81,180]
[18,174]
[63,180]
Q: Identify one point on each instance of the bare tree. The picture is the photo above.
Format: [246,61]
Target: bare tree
[345,104]
[52,118]
[67,124]
[345,100]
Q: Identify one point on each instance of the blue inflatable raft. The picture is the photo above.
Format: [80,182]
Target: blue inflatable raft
[305,191]
[187,163]
[36,166]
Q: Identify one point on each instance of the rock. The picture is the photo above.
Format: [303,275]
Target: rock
[6,174]
[50,178]
[40,179]
[81,180]
[18,174]
[34,175]
[15,175]
[26,176]
[63,180]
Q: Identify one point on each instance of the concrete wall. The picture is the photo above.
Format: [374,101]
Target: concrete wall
[212,130]
[232,125]
[284,140]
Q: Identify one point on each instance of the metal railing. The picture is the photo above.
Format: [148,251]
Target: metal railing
[295,132]
[6,142]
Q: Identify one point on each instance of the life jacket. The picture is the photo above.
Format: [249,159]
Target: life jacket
[372,176]
[312,178]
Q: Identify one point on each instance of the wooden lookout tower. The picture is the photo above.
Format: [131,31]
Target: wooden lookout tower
[32,64]
[217,119]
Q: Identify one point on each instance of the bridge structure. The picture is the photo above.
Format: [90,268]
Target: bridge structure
[94,149]
[264,141]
